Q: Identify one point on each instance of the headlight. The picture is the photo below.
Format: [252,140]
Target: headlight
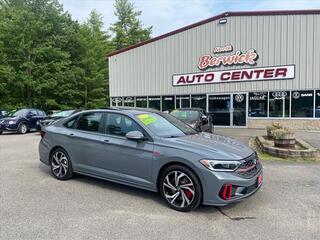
[11,122]
[221,165]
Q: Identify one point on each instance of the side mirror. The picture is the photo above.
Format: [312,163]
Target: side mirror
[135,136]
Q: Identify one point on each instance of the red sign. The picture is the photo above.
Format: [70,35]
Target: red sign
[248,57]
[251,74]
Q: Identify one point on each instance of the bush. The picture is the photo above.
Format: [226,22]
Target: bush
[282,133]
[272,128]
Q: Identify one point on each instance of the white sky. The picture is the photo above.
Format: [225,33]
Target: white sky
[168,15]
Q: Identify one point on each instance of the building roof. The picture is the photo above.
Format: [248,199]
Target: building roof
[214,18]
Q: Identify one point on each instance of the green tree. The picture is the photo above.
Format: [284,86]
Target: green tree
[36,44]
[95,44]
[128,29]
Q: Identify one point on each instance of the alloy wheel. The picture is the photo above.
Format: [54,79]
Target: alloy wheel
[59,164]
[24,129]
[178,189]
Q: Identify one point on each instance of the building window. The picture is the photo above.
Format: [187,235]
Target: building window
[199,101]
[116,101]
[141,102]
[167,103]
[154,102]
[128,101]
[113,102]
[183,101]
[278,103]
[317,110]
[258,104]
[302,104]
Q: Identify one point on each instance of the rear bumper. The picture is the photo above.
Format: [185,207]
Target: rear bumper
[44,152]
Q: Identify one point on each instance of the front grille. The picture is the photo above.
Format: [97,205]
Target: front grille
[249,167]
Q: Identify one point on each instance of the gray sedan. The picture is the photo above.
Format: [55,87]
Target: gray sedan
[155,151]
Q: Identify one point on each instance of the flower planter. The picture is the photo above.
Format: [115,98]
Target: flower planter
[285,143]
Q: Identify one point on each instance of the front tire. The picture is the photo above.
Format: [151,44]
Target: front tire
[180,188]
[23,128]
[60,164]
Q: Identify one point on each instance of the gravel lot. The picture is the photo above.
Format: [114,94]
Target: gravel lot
[34,205]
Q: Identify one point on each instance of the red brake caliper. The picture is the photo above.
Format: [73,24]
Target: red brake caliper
[186,191]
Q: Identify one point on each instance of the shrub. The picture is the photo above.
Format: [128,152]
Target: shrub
[282,133]
[273,127]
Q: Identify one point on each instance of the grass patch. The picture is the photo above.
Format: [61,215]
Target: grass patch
[267,157]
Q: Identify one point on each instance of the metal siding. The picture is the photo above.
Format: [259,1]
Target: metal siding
[278,40]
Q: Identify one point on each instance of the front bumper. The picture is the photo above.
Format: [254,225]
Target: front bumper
[214,183]
[8,128]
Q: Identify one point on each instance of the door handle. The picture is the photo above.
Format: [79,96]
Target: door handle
[71,134]
[105,141]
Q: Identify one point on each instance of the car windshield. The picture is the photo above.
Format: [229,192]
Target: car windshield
[165,125]
[186,115]
[63,113]
[19,113]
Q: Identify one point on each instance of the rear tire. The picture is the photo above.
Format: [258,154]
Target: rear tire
[1,132]
[60,164]
[23,128]
[180,188]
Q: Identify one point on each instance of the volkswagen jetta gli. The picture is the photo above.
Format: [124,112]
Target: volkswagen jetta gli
[154,151]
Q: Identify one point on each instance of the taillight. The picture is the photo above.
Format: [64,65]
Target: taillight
[226,191]
[42,134]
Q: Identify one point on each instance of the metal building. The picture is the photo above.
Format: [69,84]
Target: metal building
[247,69]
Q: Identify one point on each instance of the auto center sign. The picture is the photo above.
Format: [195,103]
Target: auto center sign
[249,57]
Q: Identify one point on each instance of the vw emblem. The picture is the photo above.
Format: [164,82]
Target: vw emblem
[239,97]
[295,95]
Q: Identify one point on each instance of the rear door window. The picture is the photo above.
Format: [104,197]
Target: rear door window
[89,122]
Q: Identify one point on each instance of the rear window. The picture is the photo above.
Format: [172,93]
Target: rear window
[186,115]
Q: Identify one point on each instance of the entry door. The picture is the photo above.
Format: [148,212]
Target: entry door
[220,109]
[239,109]
[228,109]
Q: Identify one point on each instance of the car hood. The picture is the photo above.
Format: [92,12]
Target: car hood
[212,146]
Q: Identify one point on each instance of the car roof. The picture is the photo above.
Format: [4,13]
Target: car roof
[189,109]
[131,110]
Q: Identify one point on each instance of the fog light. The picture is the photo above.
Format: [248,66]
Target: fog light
[226,191]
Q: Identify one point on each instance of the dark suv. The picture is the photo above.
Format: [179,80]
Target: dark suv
[21,121]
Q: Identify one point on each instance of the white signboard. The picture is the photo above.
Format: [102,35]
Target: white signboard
[238,75]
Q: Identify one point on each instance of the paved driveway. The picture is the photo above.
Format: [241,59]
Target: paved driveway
[33,205]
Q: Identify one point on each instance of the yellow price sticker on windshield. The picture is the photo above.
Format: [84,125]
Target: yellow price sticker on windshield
[147,119]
